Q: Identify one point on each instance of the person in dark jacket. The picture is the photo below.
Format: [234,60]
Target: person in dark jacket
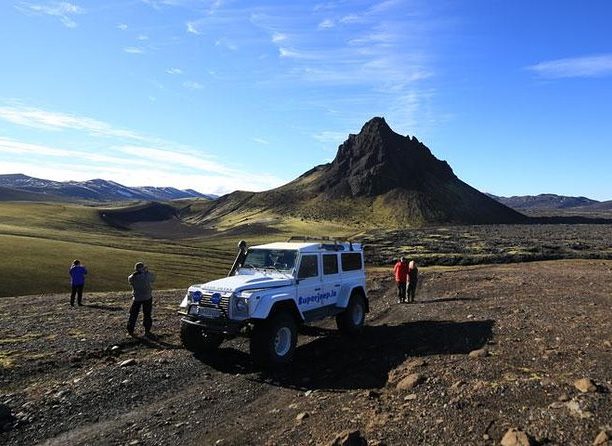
[413,278]
[400,271]
[77,281]
[141,281]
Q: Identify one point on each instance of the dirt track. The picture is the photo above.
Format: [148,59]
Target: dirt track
[543,325]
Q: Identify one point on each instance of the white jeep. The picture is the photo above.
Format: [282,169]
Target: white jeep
[273,288]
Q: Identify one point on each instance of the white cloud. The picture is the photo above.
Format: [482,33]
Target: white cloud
[122,26]
[192,27]
[172,157]
[586,66]
[326,24]
[192,85]
[278,37]
[174,70]
[133,50]
[330,137]
[261,141]
[64,11]
[45,120]
[224,42]
[142,37]
[130,158]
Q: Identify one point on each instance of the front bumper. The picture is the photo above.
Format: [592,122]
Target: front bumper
[221,326]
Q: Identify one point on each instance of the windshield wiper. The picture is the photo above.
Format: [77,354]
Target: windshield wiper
[250,265]
[278,270]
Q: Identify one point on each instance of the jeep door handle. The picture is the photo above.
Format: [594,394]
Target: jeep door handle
[317,289]
[337,285]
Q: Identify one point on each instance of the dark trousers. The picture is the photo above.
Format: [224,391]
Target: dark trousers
[77,290]
[412,290]
[147,309]
[401,291]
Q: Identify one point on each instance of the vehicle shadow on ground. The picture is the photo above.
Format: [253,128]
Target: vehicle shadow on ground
[334,361]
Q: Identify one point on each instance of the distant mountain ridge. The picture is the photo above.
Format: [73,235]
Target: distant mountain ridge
[96,189]
[378,177]
[544,201]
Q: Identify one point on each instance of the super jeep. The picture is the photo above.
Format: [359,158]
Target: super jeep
[273,288]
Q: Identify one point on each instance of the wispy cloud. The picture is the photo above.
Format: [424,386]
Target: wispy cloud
[586,66]
[46,120]
[174,70]
[64,11]
[226,43]
[326,24]
[193,28]
[278,37]
[122,26]
[193,85]
[133,50]
[261,141]
[330,137]
[386,56]
[130,158]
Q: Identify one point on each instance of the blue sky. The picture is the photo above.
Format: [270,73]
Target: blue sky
[218,95]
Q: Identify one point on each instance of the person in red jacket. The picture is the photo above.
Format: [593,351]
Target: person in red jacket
[401,273]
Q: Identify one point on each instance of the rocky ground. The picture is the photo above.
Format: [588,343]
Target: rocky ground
[485,349]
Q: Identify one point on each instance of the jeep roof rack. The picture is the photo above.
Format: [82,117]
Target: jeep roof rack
[326,242]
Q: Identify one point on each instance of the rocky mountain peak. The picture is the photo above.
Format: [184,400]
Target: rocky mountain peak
[378,160]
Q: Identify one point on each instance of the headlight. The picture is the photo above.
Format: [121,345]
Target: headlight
[195,296]
[241,304]
[186,301]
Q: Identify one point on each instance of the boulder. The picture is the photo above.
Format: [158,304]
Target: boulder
[128,362]
[515,437]
[480,353]
[585,385]
[601,439]
[349,438]
[410,381]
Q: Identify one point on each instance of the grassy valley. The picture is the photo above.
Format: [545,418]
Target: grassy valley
[40,240]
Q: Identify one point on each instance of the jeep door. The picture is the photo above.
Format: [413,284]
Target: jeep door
[309,288]
[332,278]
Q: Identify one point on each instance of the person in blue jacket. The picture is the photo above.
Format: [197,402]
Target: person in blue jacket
[77,280]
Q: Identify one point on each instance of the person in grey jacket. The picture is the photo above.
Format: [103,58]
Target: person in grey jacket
[141,281]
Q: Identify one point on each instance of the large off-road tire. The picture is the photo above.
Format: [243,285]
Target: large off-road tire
[197,340]
[351,320]
[273,341]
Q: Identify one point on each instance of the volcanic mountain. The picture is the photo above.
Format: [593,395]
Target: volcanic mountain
[378,178]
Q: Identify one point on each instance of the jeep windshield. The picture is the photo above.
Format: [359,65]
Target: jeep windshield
[273,259]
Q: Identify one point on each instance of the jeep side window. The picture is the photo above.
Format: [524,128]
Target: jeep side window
[308,267]
[351,261]
[330,264]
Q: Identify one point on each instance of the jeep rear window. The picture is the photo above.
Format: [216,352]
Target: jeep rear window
[351,261]
[308,267]
[279,259]
[330,264]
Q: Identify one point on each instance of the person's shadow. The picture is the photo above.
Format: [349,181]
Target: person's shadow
[335,361]
[104,307]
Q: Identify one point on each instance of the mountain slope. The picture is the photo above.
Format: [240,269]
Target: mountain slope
[97,189]
[378,178]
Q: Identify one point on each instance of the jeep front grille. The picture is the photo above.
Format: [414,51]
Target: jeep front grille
[223,305]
